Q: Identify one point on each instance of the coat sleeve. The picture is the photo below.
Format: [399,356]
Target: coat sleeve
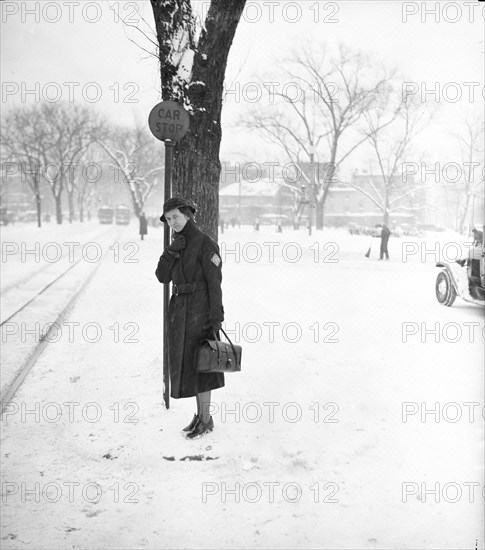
[212,269]
[164,268]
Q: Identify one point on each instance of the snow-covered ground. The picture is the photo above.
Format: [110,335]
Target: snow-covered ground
[326,439]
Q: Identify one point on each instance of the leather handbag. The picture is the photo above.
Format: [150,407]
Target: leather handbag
[217,356]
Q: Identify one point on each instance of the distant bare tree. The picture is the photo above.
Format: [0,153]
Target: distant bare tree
[70,130]
[392,146]
[48,141]
[23,136]
[138,160]
[325,119]
[87,177]
[470,144]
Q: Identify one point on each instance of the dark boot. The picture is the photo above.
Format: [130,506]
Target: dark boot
[191,426]
[201,428]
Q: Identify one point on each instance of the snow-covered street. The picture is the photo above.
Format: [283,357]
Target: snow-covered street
[356,421]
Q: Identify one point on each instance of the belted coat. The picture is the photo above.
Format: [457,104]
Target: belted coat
[194,307]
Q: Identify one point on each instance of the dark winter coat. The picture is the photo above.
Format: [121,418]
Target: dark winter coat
[143,225]
[385,234]
[188,313]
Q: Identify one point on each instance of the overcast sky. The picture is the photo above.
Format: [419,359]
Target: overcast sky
[59,44]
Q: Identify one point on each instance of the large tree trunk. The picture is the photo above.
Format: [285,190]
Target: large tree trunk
[38,204]
[70,198]
[319,215]
[197,166]
[136,199]
[57,198]
[462,219]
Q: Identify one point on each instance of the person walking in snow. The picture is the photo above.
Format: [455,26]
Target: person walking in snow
[143,225]
[193,264]
[385,234]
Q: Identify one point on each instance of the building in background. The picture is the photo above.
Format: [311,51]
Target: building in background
[244,201]
[346,204]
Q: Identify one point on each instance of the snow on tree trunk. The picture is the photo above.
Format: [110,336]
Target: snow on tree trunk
[197,166]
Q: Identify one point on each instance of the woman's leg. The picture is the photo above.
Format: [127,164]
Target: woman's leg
[203,406]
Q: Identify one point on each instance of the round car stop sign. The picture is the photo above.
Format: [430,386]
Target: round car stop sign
[169,120]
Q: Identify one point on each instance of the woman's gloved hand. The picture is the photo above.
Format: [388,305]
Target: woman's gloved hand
[177,245]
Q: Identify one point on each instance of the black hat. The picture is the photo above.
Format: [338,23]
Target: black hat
[176,202]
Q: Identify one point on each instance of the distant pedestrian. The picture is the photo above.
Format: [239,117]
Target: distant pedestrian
[223,223]
[233,222]
[143,225]
[279,225]
[256,224]
[385,234]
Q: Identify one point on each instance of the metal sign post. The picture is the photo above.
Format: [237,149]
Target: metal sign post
[168,122]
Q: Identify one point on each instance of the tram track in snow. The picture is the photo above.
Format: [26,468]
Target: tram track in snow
[75,279]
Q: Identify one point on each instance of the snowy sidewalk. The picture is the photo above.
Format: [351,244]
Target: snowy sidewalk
[315,452]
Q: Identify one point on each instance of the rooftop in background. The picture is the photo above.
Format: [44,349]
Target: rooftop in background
[258,188]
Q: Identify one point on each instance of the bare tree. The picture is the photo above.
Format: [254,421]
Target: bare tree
[325,118]
[87,177]
[391,190]
[193,61]
[70,130]
[138,160]
[470,144]
[23,135]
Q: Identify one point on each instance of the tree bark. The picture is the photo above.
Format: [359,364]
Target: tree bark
[197,167]
[57,198]
[319,215]
[38,204]
[70,197]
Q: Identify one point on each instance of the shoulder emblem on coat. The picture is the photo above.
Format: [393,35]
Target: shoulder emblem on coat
[215,260]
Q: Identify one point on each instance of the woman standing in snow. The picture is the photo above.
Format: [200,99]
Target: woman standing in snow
[193,265]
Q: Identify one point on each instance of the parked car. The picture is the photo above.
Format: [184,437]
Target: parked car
[7,216]
[354,229]
[28,216]
[464,278]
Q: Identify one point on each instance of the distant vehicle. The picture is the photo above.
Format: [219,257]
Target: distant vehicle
[353,228]
[409,230]
[430,227]
[270,219]
[123,215]
[6,216]
[28,216]
[464,278]
[106,214]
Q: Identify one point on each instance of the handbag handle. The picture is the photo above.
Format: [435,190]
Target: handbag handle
[229,340]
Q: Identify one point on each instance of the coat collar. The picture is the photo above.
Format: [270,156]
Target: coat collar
[189,230]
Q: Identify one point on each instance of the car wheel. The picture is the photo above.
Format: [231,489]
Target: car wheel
[445,291]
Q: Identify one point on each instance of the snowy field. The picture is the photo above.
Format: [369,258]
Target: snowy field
[356,422]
